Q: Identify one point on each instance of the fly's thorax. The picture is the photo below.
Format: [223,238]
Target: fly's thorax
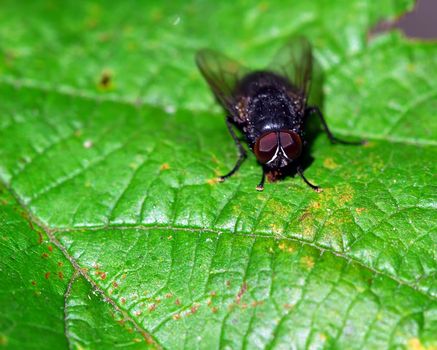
[272,109]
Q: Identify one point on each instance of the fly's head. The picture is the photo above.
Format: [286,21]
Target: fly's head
[277,149]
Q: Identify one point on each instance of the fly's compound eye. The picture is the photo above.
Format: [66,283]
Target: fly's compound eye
[291,144]
[266,147]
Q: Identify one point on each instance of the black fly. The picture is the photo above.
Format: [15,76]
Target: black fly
[269,107]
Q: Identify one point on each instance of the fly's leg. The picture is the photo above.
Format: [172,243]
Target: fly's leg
[314,187]
[242,152]
[260,186]
[331,137]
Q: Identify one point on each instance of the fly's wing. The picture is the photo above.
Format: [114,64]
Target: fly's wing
[223,75]
[294,61]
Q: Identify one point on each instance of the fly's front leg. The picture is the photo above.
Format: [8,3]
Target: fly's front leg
[331,137]
[241,150]
[314,187]
[260,186]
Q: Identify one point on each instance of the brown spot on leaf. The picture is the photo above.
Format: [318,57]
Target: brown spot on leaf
[123,300]
[47,275]
[152,307]
[61,275]
[214,309]
[306,215]
[177,302]
[106,81]
[346,197]
[256,303]
[241,292]
[168,295]
[44,255]
[50,248]
[214,159]
[40,239]
[176,317]
[194,308]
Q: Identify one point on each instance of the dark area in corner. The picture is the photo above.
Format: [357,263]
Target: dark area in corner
[420,23]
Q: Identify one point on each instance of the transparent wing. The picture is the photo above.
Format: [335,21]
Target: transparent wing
[222,74]
[295,62]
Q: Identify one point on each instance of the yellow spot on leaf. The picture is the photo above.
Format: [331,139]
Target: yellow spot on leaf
[359,210]
[415,344]
[289,248]
[263,6]
[307,261]
[3,340]
[329,163]
[344,194]
[359,81]
[276,229]
[133,165]
[212,181]
[278,208]
[411,67]
[214,159]
[164,166]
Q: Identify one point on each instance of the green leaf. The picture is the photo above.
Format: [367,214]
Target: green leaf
[114,232]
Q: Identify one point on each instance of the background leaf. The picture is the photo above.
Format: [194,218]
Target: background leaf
[114,232]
